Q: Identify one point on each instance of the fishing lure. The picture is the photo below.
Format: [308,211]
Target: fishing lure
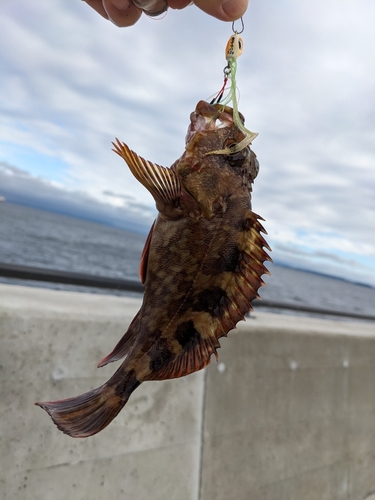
[233,50]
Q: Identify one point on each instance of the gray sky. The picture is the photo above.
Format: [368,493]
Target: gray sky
[70,82]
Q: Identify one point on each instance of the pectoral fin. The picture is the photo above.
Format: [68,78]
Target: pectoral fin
[160,181]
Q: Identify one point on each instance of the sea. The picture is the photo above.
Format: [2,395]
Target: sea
[34,237]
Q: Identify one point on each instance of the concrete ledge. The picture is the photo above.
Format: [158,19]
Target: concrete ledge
[287,414]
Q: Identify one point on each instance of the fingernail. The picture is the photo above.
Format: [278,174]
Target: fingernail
[120,4]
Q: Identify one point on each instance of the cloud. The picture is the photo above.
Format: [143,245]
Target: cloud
[72,82]
[20,187]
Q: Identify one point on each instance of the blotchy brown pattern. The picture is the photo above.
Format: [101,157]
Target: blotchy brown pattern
[202,267]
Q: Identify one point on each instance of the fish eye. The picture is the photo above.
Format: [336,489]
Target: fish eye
[236,159]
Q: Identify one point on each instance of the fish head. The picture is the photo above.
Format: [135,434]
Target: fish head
[207,172]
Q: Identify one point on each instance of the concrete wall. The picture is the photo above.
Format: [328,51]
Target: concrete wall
[287,414]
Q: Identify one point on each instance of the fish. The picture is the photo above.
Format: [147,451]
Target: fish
[201,267]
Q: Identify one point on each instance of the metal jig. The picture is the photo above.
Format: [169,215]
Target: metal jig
[233,50]
[234,47]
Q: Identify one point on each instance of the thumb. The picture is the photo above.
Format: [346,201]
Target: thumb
[225,10]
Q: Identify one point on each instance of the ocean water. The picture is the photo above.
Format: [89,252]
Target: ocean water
[39,238]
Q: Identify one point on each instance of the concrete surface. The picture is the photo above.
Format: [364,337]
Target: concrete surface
[288,413]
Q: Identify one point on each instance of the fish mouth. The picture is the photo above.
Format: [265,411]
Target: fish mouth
[208,117]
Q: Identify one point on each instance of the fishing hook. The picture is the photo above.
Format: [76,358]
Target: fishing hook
[242,27]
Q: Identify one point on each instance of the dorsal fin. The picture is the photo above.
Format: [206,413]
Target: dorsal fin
[195,353]
[160,181]
[186,362]
[215,310]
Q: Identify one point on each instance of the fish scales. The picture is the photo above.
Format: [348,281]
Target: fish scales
[201,267]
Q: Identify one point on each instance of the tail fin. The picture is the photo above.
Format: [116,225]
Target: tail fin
[86,414]
[89,413]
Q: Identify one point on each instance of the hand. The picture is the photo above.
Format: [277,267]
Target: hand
[124,13]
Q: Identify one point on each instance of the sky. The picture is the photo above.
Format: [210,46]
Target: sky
[70,82]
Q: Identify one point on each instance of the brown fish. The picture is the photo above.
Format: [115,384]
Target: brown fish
[201,267]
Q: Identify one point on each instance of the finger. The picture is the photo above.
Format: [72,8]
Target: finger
[152,8]
[122,12]
[225,10]
[98,6]
[178,4]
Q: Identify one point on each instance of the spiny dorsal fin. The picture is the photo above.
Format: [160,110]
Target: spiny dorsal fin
[245,282]
[160,181]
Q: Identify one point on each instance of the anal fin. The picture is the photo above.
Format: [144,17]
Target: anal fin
[144,256]
[125,344]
